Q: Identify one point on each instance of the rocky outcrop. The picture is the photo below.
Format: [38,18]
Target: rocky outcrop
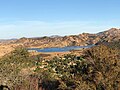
[110,35]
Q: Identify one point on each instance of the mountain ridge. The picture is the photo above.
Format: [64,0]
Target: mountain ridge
[83,39]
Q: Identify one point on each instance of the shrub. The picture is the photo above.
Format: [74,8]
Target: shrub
[11,66]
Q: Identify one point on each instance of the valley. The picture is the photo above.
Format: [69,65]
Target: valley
[84,39]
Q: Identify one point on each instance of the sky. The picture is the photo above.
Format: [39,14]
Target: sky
[36,18]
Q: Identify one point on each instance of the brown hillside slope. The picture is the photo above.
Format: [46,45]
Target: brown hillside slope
[83,39]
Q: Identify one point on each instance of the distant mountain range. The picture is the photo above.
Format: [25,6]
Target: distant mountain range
[7,40]
[83,39]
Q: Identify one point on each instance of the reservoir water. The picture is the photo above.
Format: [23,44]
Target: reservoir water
[63,49]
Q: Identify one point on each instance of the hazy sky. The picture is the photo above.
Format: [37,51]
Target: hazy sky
[33,18]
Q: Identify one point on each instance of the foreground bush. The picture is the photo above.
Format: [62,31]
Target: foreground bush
[103,67]
[12,65]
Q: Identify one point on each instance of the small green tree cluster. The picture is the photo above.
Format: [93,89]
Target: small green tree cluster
[97,69]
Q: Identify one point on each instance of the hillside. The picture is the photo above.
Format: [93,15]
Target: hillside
[83,39]
[97,69]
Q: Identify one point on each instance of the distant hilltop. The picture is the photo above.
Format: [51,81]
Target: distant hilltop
[7,41]
[83,39]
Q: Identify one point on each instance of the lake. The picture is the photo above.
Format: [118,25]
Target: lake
[63,49]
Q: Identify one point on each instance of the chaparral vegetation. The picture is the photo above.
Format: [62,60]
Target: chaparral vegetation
[98,68]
